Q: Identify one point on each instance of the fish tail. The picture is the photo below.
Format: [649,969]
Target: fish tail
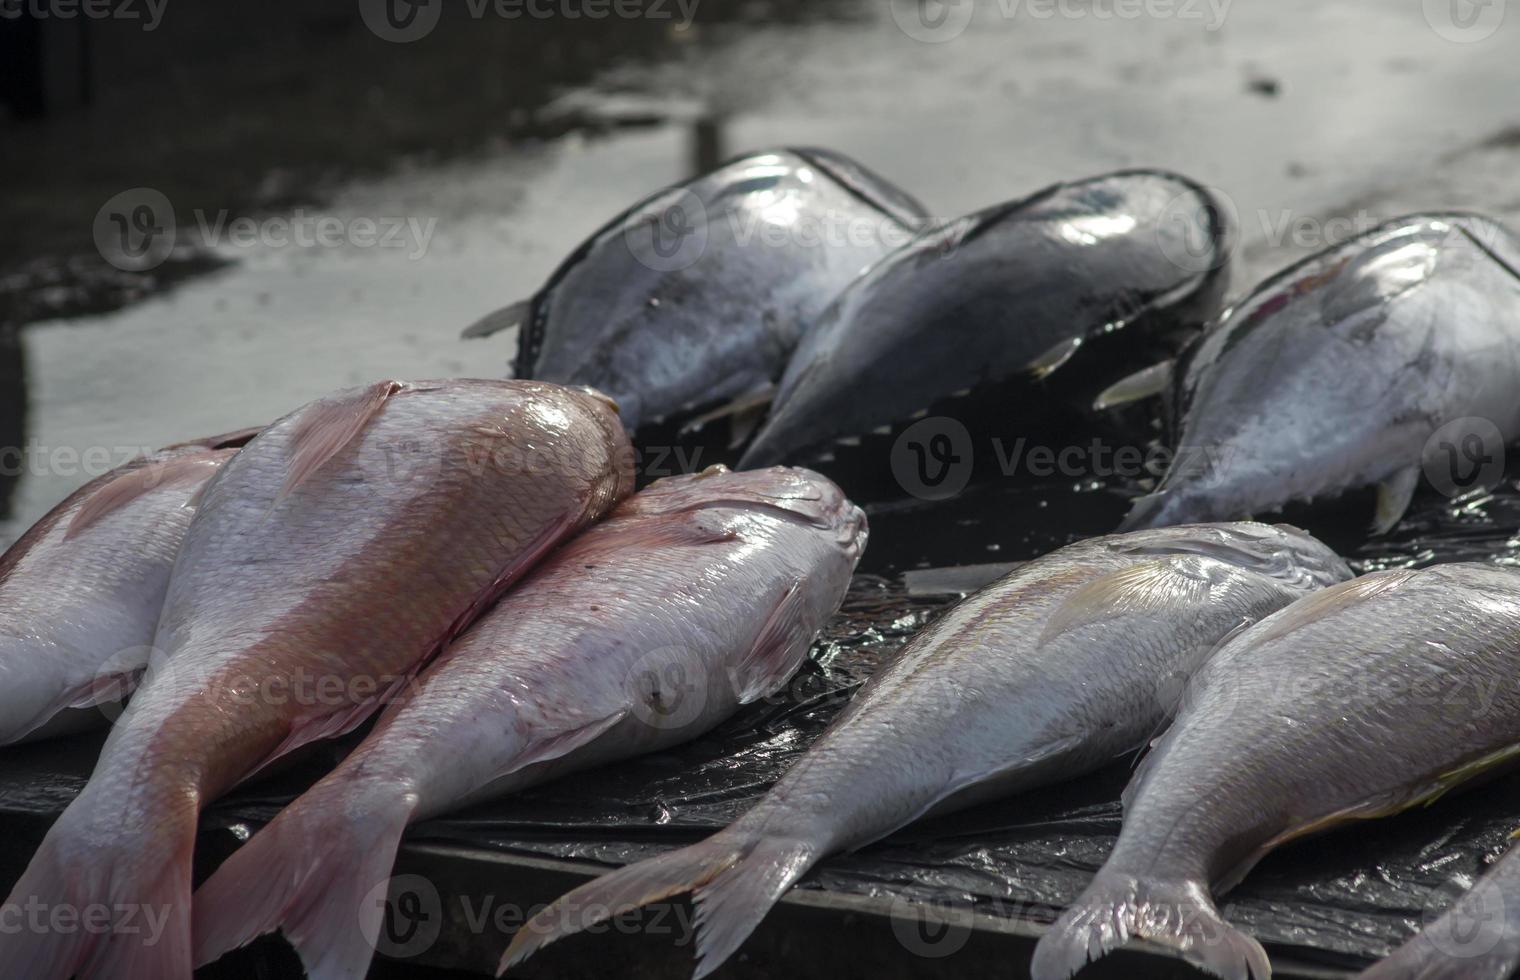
[1151,510]
[123,914]
[1118,907]
[308,874]
[735,877]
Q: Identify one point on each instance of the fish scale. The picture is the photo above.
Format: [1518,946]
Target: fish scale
[1362,700]
[644,631]
[314,577]
[1055,669]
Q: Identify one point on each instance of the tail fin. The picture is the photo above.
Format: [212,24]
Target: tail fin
[735,878]
[307,874]
[119,913]
[1180,914]
[1147,512]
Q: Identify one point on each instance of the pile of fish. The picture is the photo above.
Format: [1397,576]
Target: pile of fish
[466,564]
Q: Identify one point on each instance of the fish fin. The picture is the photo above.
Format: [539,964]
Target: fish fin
[316,728]
[92,694]
[153,944]
[1393,497]
[124,489]
[498,320]
[1053,358]
[735,876]
[743,405]
[313,873]
[1145,511]
[1145,586]
[236,439]
[1145,383]
[778,650]
[745,423]
[1330,600]
[549,746]
[329,425]
[1119,907]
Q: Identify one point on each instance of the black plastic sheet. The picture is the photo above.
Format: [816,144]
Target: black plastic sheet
[1340,899]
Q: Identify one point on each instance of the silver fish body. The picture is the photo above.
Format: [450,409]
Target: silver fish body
[1359,701]
[1058,668]
[697,595]
[1010,291]
[1337,372]
[81,591]
[699,293]
[328,560]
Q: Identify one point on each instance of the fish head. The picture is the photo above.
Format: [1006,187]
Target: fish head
[1279,551]
[795,493]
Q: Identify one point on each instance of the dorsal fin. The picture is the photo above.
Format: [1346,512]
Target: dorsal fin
[116,494]
[329,425]
[1325,602]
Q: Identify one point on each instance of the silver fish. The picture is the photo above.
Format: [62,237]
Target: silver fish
[329,559]
[698,294]
[1011,291]
[1058,668]
[695,596]
[1478,938]
[81,591]
[1360,701]
[1339,371]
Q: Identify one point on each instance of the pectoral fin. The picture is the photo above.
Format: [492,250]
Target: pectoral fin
[498,320]
[1147,586]
[1393,498]
[1145,383]
[778,650]
[1047,362]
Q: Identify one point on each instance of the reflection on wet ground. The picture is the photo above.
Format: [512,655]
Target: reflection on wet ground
[491,147]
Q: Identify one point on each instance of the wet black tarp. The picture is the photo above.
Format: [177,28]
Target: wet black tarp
[1339,899]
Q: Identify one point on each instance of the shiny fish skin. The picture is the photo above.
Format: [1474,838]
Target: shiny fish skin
[1335,373]
[333,554]
[79,604]
[722,318]
[1061,666]
[1001,293]
[1359,701]
[708,586]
